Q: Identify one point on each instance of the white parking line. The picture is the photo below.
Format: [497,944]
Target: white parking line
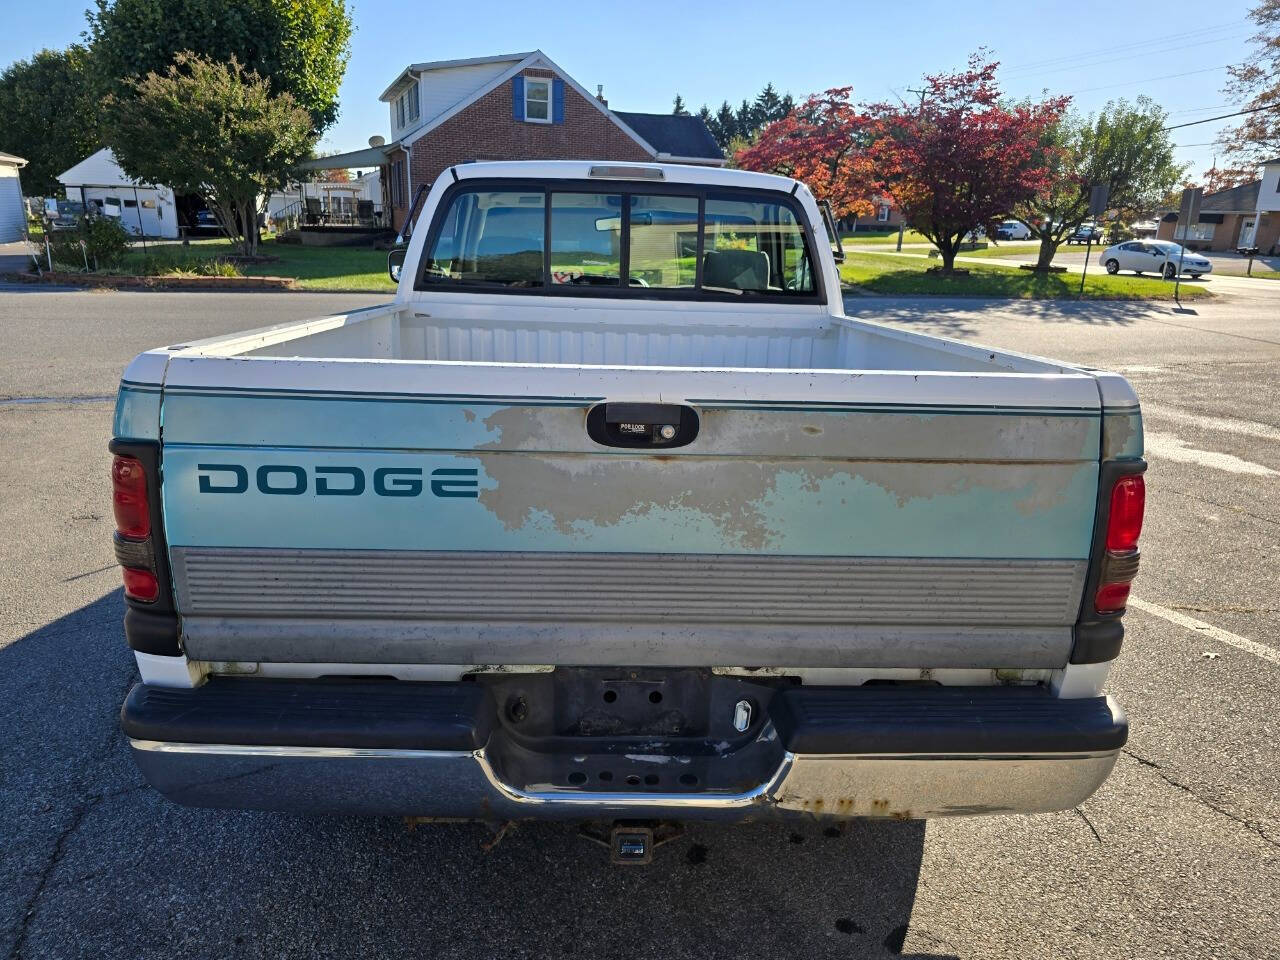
[1207,629]
[1244,428]
[1163,445]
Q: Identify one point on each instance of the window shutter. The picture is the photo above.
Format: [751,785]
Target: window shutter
[557,100]
[517,98]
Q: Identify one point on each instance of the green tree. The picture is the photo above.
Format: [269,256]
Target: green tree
[215,129]
[678,107]
[1124,146]
[299,46]
[726,127]
[48,115]
[768,106]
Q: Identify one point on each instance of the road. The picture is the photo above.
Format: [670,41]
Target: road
[1235,286]
[1178,855]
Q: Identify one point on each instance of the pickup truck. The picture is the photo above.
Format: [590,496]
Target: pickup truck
[613,515]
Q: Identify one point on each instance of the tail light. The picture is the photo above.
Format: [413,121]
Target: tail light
[129,498]
[1120,561]
[132,508]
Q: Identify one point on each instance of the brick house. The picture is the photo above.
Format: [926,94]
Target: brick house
[515,107]
[885,216]
[1244,216]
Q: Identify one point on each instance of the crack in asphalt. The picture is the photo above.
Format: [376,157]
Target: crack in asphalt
[78,815]
[1250,825]
[1221,506]
[1083,816]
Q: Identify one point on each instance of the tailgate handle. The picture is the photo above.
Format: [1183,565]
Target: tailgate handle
[651,425]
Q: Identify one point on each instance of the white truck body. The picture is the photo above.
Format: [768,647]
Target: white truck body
[886,545]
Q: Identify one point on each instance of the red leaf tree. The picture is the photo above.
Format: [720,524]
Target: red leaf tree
[962,157]
[823,141]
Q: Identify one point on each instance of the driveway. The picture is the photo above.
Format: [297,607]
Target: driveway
[1178,855]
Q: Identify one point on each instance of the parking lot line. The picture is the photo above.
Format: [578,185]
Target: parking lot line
[1269,654]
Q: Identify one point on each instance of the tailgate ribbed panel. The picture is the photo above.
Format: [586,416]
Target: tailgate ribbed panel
[624,588]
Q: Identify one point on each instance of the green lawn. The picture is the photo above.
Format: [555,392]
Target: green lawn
[1009,250]
[315,268]
[882,236]
[906,276]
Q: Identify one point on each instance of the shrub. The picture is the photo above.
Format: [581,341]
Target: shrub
[183,264]
[105,242]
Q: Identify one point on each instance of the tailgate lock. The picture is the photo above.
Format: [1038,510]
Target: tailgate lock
[642,424]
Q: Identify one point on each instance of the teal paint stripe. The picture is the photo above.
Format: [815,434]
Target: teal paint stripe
[369,398]
[285,393]
[540,401]
[140,387]
[925,409]
[607,452]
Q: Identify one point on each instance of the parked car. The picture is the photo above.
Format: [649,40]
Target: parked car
[63,214]
[205,221]
[1013,230]
[1087,233]
[1154,256]
[515,545]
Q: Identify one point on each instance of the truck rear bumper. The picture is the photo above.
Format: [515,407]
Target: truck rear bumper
[438,750]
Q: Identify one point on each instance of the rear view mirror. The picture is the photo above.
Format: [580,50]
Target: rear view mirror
[395,263]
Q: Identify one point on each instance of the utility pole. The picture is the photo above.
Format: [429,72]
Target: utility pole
[923,94]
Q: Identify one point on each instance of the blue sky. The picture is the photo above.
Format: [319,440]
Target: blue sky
[646,52]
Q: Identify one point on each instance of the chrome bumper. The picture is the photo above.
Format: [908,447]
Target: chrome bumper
[462,784]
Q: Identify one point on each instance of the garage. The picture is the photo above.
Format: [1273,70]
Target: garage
[13,216]
[145,210]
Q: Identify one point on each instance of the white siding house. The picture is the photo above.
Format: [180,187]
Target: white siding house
[415,100]
[13,215]
[143,209]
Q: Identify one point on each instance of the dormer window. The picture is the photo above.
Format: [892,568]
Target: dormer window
[407,106]
[537,100]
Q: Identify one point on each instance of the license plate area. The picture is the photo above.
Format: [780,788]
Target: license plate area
[632,730]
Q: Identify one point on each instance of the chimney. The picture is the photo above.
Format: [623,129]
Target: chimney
[600,94]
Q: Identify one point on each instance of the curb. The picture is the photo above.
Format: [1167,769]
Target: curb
[129,282]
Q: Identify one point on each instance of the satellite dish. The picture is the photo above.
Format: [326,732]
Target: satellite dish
[376,141]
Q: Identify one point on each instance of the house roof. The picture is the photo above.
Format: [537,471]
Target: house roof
[1241,199]
[10,159]
[419,68]
[535,59]
[674,136]
[98,170]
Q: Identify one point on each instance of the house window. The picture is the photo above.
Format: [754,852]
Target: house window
[400,110]
[397,183]
[1202,232]
[883,214]
[537,100]
[413,102]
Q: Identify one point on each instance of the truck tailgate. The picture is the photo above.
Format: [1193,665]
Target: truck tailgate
[834,518]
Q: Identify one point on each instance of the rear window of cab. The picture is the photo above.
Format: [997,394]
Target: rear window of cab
[619,239]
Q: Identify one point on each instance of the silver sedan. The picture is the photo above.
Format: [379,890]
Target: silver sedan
[1154,256]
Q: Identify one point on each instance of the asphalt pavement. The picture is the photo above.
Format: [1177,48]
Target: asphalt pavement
[1178,855]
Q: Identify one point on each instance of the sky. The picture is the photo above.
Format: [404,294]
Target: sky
[646,51]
